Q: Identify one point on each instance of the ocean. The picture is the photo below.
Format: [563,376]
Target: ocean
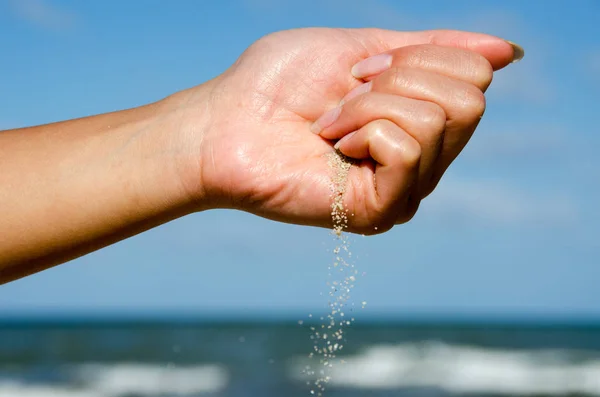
[129,358]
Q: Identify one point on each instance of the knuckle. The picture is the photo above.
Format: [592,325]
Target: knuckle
[478,104]
[474,67]
[379,128]
[484,71]
[433,116]
[410,152]
[473,101]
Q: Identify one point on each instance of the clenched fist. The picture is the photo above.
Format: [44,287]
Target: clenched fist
[404,104]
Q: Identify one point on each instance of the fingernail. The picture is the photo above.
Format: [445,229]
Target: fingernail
[518,51]
[328,118]
[361,89]
[373,65]
[344,139]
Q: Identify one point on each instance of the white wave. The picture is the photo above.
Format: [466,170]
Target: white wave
[463,369]
[101,380]
[123,379]
[14,389]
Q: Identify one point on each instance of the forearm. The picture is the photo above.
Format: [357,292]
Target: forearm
[69,188]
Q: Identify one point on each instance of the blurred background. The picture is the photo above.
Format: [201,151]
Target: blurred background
[491,290]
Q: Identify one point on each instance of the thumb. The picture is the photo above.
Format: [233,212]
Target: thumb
[497,51]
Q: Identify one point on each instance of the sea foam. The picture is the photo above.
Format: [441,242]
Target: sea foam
[126,379]
[466,369]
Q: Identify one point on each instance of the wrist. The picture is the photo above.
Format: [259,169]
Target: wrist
[183,121]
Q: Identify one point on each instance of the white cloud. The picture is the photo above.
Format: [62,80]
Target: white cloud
[489,201]
[43,14]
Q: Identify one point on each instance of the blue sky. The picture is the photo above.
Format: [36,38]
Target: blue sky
[511,230]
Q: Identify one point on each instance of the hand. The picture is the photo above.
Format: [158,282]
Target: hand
[256,152]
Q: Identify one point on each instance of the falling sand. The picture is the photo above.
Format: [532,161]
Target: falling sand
[328,338]
[340,167]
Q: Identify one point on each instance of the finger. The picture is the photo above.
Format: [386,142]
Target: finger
[397,155]
[460,64]
[463,104]
[497,51]
[423,120]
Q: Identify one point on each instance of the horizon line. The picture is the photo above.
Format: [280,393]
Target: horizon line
[157,317]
